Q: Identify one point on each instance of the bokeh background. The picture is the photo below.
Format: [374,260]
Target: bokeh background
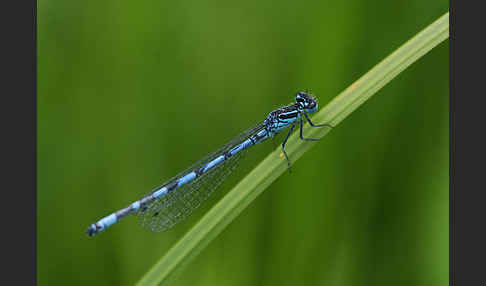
[131,93]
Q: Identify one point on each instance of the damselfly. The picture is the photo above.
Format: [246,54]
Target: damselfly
[176,199]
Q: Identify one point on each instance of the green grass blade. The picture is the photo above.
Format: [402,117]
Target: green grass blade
[273,165]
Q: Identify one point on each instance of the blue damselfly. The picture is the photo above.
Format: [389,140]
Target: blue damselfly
[174,200]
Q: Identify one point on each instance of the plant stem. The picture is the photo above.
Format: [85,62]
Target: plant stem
[211,224]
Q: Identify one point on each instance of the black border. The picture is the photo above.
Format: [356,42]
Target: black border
[18,115]
[467,145]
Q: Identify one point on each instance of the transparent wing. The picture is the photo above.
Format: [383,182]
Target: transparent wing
[166,211]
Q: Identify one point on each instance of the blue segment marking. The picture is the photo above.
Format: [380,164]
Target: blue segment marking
[186,178]
[214,163]
[160,192]
[177,198]
[240,147]
[109,220]
[136,205]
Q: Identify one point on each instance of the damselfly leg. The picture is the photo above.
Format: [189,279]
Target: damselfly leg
[285,142]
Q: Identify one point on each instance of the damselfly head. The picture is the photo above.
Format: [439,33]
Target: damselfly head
[306,101]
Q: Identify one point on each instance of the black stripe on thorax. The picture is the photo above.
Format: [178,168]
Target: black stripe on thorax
[287,112]
[288,108]
[288,115]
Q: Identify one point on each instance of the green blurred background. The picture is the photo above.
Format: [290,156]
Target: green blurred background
[131,93]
